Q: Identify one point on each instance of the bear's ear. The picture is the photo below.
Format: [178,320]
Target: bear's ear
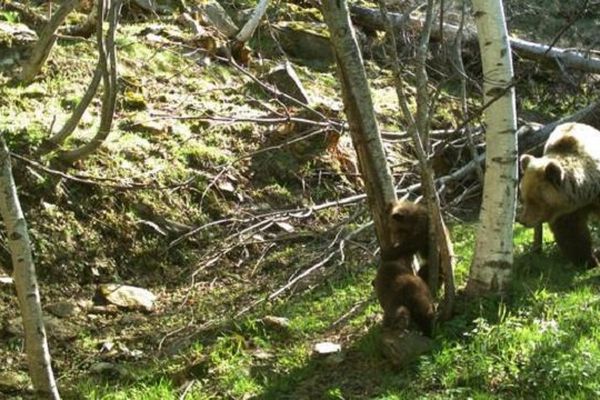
[554,173]
[524,161]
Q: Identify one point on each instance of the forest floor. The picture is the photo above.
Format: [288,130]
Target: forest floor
[277,265]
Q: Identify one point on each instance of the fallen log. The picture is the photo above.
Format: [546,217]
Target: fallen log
[533,141]
[530,141]
[371,18]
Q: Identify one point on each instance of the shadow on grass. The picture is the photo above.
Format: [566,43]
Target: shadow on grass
[359,371]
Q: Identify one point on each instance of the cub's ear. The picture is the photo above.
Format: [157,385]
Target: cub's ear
[554,173]
[524,161]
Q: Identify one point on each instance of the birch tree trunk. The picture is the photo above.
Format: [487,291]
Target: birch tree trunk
[36,345]
[361,117]
[248,30]
[493,258]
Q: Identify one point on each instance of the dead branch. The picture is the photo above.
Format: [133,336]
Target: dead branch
[532,141]
[102,181]
[248,29]
[27,15]
[86,28]
[372,19]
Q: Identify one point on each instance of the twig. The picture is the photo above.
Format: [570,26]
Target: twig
[355,309]
[100,181]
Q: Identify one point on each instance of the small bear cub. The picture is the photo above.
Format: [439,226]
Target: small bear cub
[403,295]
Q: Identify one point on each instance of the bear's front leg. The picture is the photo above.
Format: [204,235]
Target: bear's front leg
[572,236]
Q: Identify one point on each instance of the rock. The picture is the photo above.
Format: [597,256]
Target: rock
[403,348]
[278,323]
[186,20]
[34,91]
[286,80]
[153,127]
[213,14]
[13,381]
[15,42]
[327,348]
[308,41]
[109,370]
[125,296]
[62,309]
[16,35]
[261,354]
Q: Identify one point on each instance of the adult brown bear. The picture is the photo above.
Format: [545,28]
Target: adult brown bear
[563,188]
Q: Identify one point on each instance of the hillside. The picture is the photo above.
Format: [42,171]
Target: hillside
[243,214]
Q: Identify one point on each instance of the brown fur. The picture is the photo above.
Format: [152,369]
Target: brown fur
[409,228]
[563,188]
[402,295]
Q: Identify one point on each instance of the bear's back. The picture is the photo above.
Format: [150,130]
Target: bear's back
[574,139]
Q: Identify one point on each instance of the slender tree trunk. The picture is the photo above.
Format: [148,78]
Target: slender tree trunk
[108,61]
[36,345]
[42,48]
[493,259]
[441,253]
[361,117]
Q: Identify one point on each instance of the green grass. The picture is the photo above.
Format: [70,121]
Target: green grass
[539,341]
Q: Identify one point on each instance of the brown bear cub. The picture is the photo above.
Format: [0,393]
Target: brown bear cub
[403,295]
[409,228]
[563,188]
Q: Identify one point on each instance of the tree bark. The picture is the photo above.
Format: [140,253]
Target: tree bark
[36,344]
[42,48]
[441,253]
[248,29]
[361,117]
[493,258]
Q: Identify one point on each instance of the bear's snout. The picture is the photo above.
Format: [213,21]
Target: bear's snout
[528,219]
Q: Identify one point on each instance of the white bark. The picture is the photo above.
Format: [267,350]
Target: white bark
[248,30]
[493,259]
[570,58]
[36,345]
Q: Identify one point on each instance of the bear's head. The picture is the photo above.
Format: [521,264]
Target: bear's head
[408,224]
[542,190]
